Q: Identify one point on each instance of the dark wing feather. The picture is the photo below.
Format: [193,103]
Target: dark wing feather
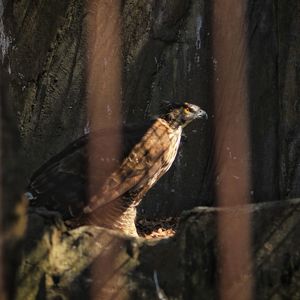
[72,160]
[61,183]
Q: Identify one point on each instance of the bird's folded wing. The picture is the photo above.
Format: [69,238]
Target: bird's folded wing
[142,166]
[71,161]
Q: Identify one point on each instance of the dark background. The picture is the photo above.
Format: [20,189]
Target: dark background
[166,56]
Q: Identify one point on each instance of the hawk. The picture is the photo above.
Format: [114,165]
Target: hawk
[61,183]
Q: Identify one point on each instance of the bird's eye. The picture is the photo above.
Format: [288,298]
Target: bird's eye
[186,110]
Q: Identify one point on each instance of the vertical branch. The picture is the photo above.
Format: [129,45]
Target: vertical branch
[232,146]
[103,83]
[104,111]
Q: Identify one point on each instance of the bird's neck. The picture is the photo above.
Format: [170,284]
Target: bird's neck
[173,123]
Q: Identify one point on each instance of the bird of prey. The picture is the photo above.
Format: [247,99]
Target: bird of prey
[61,184]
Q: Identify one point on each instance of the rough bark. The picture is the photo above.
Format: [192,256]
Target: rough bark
[46,60]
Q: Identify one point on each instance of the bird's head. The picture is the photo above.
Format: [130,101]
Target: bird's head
[181,114]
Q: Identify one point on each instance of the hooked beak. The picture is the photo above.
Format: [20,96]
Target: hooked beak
[202,114]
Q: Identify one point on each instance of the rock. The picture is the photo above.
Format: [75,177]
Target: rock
[63,263]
